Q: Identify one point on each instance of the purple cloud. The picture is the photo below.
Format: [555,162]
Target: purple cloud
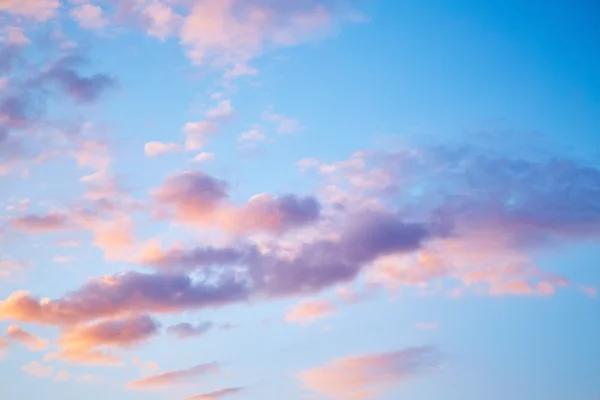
[186,330]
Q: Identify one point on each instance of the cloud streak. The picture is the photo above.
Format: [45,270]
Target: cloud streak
[369,376]
[176,377]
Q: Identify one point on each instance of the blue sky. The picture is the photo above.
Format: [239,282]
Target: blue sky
[206,199]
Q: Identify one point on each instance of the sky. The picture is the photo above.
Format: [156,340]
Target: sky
[299,199]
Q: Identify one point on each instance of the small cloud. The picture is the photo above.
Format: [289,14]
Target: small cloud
[175,377]
[37,369]
[203,157]
[153,149]
[62,376]
[16,36]
[198,133]
[89,16]
[186,330]
[253,135]
[238,70]
[32,342]
[283,124]
[146,367]
[308,311]
[222,111]
[89,378]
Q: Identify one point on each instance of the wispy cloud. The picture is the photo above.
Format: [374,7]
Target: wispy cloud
[175,377]
[369,376]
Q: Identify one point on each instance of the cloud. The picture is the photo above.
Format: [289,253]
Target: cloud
[33,223]
[16,36]
[32,342]
[193,195]
[160,20]
[83,89]
[80,343]
[217,394]
[38,370]
[88,16]
[203,157]
[186,330]
[62,376]
[222,111]
[195,198]
[370,376]
[176,377]
[122,294]
[240,70]
[153,149]
[309,310]
[112,333]
[283,125]
[40,10]
[233,32]
[253,135]
[11,268]
[198,133]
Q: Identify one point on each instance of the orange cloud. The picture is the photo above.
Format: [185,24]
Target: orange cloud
[80,343]
[368,377]
[308,311]
[32,342]
[175,377]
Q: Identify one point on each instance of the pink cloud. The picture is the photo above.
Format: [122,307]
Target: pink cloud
[53,221]
[32,342]
[309,310]
[198,133]
[112,333]
[40,10]
[62,376]
[153,149]
[203,157]
[217,394]
[231,32]
[176,377]
[201,200]
[368,377]
[161,20]
[89,16]
[79,343]
[38,370]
